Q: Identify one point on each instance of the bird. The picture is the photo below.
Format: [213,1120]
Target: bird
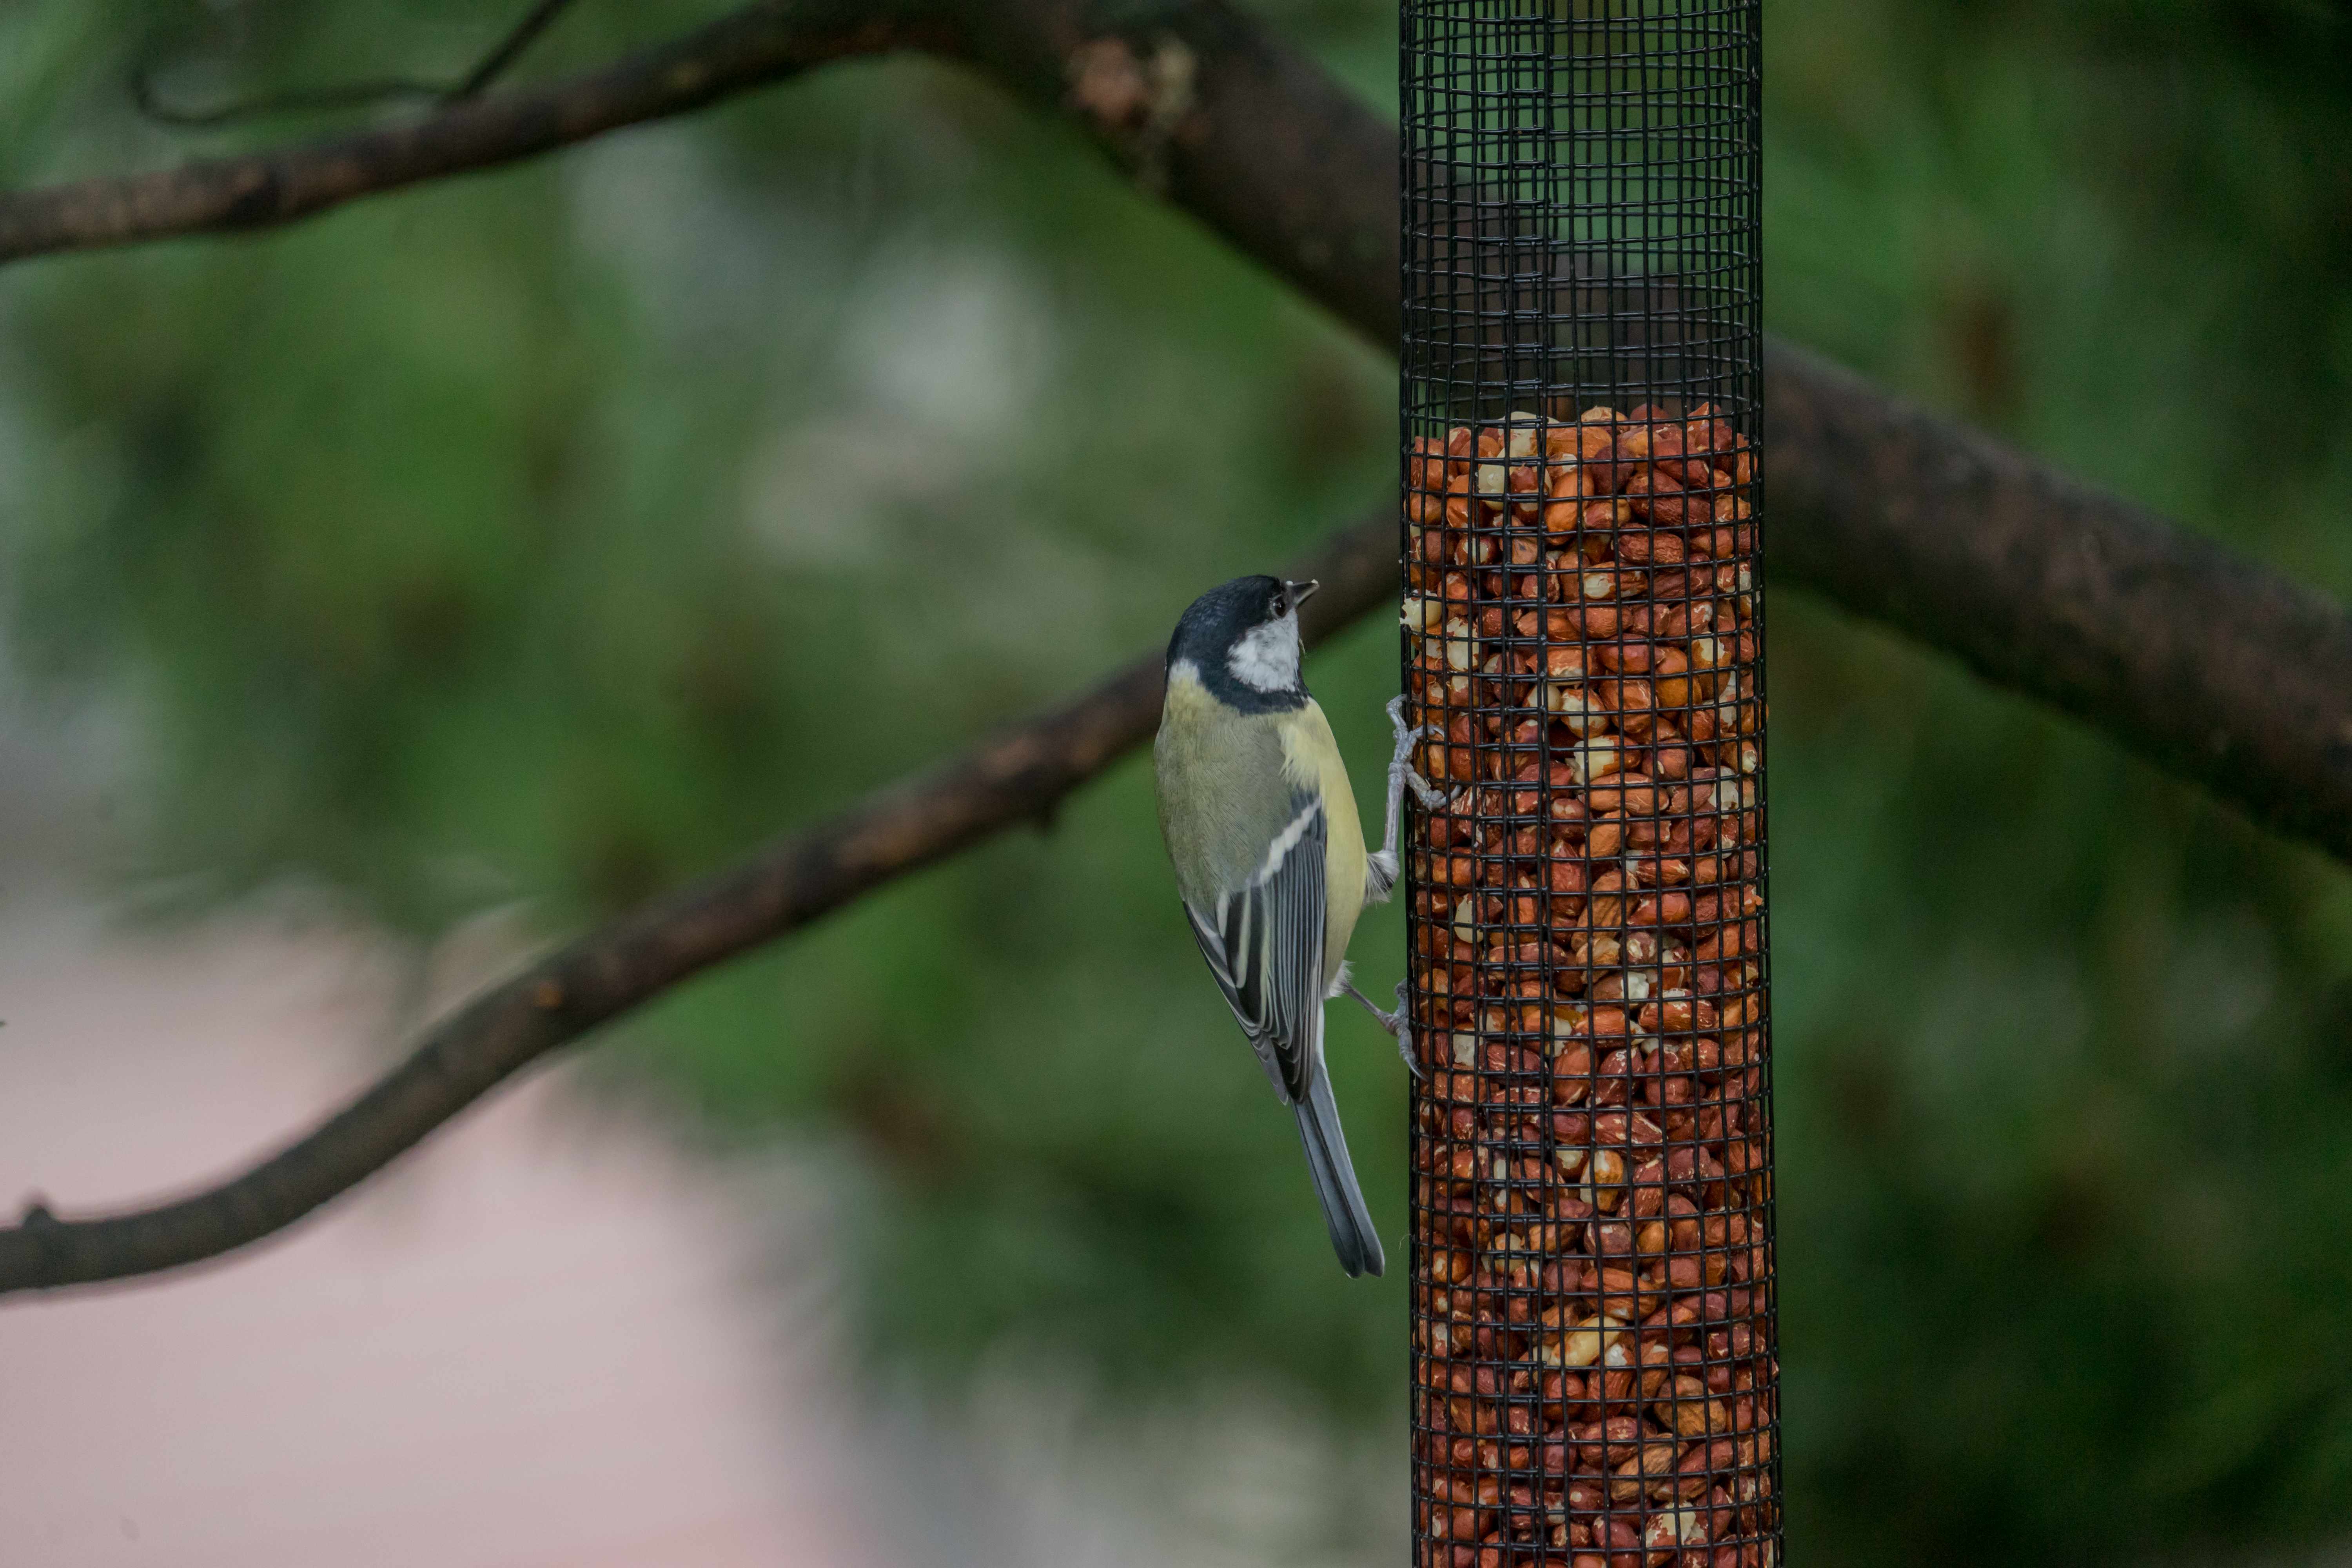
[1261,829]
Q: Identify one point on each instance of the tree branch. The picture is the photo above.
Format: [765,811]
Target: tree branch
[2216,668]
[1019,775]
[762,44]
[2218,671]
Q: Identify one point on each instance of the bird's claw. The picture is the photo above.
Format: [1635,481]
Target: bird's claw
[1404,1039]
[1401,761]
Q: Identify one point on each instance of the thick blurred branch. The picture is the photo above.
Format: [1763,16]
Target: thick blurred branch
[2215,669]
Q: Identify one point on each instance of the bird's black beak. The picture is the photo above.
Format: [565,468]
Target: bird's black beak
[1301,591]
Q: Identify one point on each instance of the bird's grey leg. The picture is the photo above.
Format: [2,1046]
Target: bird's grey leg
[1394,1022]
[1382,868]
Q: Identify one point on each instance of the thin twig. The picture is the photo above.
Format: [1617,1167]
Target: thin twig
[354,94]
[537,20]
[294,100]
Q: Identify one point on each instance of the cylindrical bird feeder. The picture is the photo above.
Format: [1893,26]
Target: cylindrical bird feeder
[1593,1350]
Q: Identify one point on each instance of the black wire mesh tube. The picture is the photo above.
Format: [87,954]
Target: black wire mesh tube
[1594,1377]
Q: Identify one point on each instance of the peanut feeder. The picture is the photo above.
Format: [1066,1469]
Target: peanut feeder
[1594,1375]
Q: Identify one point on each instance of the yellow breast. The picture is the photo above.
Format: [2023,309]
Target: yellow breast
[1310,756]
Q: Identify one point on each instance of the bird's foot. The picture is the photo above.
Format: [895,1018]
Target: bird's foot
[1401,761]
[1396,1023]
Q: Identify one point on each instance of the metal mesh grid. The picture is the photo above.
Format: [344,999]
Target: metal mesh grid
[1594,1376]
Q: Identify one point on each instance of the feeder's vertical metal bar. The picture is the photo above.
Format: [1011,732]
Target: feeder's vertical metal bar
[1595,1381]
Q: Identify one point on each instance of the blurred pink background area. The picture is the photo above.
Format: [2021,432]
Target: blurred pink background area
[552,1334]
[535,1342]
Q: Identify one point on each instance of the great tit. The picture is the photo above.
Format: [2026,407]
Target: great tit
[1261,826]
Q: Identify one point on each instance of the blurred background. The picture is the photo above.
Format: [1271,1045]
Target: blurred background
[386,596]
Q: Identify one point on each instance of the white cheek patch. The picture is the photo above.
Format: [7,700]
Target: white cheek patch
[1266,657]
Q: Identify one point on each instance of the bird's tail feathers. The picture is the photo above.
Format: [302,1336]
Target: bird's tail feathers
[1352,1235]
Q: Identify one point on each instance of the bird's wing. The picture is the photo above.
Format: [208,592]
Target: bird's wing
[1263,943]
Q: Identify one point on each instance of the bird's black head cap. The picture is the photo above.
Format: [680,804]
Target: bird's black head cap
[1241,640]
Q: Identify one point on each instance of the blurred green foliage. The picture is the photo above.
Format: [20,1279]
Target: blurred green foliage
[548,538]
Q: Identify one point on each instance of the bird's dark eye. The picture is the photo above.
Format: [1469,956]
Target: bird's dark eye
[1281,606]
